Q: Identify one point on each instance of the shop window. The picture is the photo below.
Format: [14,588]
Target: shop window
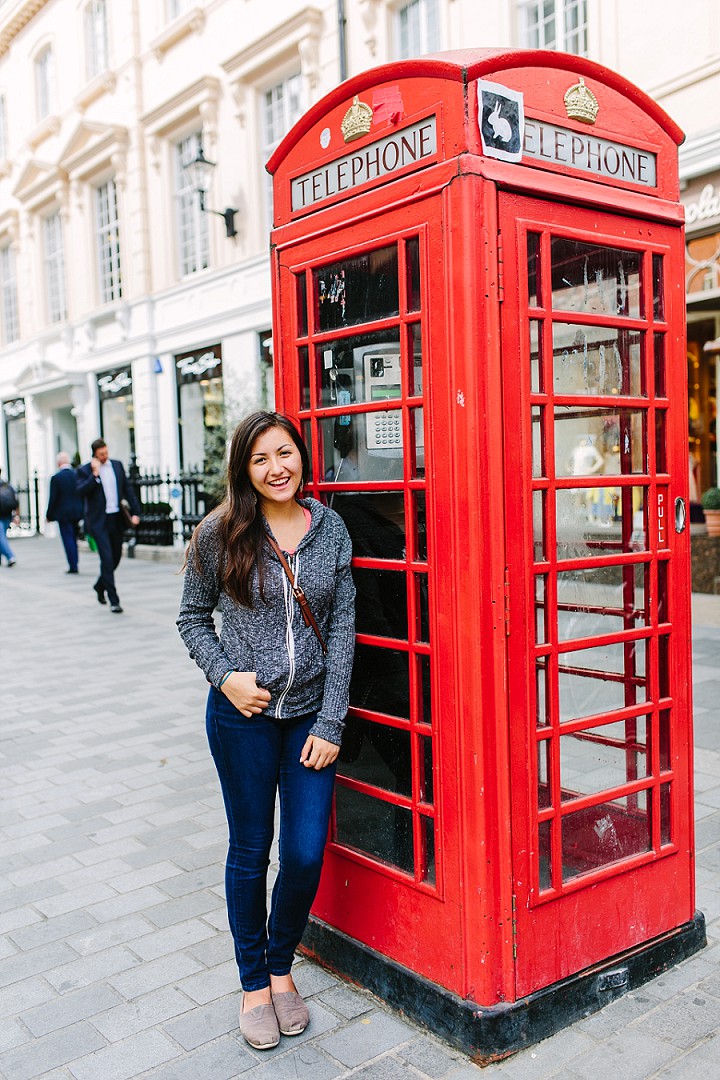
[192,223]
[96,38]
[117,416]
[9,292]
[201,414]
[16,450]
[54,268]
[44,82]
[554,24]
[108,241]
[281,107]
[417,29]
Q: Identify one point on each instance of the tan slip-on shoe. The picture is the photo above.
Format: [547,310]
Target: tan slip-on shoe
[259,1027]
[291,1011]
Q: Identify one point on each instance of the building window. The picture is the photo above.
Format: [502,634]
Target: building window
[192,223]
[200,407]
[44,78]
[3,128]
[173,8]
[96,38]
[554,24]
[108,242]
[417,28]
[117,415]
[282,106]
[54,269]
[8,288]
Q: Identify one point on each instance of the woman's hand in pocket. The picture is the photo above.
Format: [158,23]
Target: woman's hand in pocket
[318,753]
[243,692]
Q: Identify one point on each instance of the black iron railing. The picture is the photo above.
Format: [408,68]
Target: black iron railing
[171,507]
[29,503]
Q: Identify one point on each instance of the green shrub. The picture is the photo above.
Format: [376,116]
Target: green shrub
[711,499]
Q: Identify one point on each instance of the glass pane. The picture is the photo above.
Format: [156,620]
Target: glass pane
[423,608]
[659,340]
[417,427]
[540,609]
[660,443]
[412,256]
[533,257]
[665,831]
[591,278]
[381,757]
[428,871]
[543,761]
[599,441]
[545,855]
[590,360]
[301,300]
[538,503]
[658,291]
[540,692]
[663,615]
[600,521]
[306,428]
[538,442]
[380,681]
[415,388]
[536,369]
[420,526]
[604,757]
[304,369]
[601,679]
[374,827]
[604,834]
[348,459]
[664,732]
[381,602]
[375,521]
[362,367]
[664,665]
[426,771]
[356,290]
[423,662]
[603,601]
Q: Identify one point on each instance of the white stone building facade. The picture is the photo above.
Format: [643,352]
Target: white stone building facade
[125,310]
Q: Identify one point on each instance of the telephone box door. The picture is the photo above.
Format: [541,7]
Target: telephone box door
[599,668]
[358,331]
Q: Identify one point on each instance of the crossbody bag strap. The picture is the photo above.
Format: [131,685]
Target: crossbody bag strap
[305,610]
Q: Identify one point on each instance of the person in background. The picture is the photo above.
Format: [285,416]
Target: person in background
[8,514]
[65,506]
[103,485]
[279,680]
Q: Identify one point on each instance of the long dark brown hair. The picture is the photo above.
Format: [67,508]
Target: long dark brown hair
[241,529]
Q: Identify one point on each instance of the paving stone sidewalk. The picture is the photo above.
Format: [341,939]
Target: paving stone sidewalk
[115,957]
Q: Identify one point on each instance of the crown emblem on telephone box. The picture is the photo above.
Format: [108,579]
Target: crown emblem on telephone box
[356,121]
[581,103]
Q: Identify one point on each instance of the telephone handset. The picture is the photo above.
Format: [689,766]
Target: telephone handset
[383,430]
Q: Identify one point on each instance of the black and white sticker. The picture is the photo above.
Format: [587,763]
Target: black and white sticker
[501,117]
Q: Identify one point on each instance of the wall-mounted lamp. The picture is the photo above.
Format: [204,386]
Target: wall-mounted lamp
[200,170]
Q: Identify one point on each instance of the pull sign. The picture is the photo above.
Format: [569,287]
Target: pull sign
[662,519]
[680,515]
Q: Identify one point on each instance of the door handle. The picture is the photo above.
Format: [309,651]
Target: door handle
[680,515]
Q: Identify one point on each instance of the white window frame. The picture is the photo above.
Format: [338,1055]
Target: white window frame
[107,234]
[9,292]
[44,82]
[193,242]
[554,24]
[97,53]
[281,105]
[417,28]
[54,262]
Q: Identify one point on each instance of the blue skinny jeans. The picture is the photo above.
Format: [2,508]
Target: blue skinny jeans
[255,757]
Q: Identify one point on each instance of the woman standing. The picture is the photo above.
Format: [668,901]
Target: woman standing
[278,697]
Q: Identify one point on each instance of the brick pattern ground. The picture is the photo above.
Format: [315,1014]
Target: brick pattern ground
[115,956]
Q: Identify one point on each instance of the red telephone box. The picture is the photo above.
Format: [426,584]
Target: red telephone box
[479,322]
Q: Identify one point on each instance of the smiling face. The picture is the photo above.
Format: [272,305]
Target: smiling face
[275,467]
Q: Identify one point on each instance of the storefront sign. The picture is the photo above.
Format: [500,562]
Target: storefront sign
[402,149]
[703,208]
[589,153]
[114,382]
[197,363]
[14,409]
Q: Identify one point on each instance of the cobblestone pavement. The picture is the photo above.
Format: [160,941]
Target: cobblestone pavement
[115,958]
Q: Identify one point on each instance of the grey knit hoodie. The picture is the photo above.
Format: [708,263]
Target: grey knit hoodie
[271,638]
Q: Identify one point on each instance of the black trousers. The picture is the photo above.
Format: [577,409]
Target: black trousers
[109,544]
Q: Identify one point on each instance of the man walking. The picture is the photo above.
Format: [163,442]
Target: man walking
[103,485]
[8,513]
[65,506]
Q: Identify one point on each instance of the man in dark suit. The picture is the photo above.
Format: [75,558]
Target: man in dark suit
[103,485]
[65,506]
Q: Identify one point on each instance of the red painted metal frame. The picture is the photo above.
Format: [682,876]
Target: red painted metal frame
[464,933]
